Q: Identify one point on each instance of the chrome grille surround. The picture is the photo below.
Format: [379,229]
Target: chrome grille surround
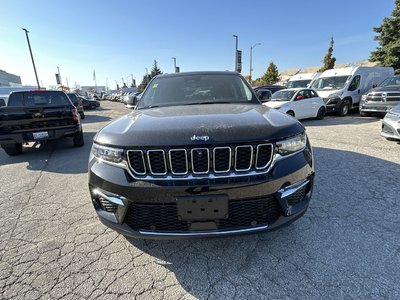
[206,167]
[143,162]
[208,161]
[171,165]
[149,162]
[236,158]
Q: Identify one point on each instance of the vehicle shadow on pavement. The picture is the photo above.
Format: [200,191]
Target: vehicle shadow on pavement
[350,231]
[336,120]
[57,156]
[90,118]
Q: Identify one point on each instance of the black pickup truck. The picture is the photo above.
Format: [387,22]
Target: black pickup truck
[38,116]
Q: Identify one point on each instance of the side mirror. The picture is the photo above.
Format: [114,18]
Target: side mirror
[2,102]
[259,94]
[299,97]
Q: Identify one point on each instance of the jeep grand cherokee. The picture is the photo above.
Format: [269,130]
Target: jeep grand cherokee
[198,157]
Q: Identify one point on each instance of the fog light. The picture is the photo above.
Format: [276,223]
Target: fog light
[111,197]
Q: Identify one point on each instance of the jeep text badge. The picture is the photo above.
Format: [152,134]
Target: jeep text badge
[204,138]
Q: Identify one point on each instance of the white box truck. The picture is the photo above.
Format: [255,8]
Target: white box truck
[342,88]
[302,80]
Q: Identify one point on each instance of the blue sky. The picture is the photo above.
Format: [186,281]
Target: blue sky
[119,38]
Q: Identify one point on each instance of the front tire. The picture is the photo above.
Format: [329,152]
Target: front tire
[344,108]
[321,113]
[78,139]
[82,114]
[92,106]
[12,149]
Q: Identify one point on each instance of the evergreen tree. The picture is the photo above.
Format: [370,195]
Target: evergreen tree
[388,36]
[155,70]
[144,83]
[329,60]
[270,76]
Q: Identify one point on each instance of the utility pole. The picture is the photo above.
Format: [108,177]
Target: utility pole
[236,50]
[251,59]
[174,58]
[59,75]
[33,62]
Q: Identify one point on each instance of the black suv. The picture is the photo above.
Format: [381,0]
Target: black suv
[199,157]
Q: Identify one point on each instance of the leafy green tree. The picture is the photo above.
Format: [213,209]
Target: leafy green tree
[329,60]
[270,76]
[388,36]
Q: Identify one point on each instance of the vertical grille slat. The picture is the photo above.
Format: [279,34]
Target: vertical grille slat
[243,158]
[222,158]
[189,161]
[156,161]
[200,160]
[136,161]
[264,156]
[178,161]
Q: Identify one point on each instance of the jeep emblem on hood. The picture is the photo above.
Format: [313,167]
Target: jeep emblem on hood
[204,138]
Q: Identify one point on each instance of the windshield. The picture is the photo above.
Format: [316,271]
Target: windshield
[330,83]
[283,95]
[391,81]
[38,99]
[298,83]
[195,89]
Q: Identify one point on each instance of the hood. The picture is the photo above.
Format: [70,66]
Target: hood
[276,104]
[328,93]
[388,88]
[198,125]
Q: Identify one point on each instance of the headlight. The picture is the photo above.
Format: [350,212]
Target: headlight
[291,145]
[363,97]
[391,115]
[106,153]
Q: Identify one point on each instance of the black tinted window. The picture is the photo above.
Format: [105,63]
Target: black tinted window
[355,83]
[38,99]
[73,98]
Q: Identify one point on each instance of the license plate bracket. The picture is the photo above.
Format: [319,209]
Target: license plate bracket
[202,207]
[40,135]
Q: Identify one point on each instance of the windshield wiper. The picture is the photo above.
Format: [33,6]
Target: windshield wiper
[148,106]
[210,102]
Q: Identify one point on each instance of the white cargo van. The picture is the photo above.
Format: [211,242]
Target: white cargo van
[342,88]
[302,80]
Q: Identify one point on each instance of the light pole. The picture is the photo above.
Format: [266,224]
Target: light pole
[33,62]
[59,75]
[174,58]
[236,49]
[147,72]
[251,59]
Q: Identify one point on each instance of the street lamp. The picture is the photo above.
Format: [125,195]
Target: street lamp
[236,38]
[147,72]
[33,62]
[251,59]
[174,58]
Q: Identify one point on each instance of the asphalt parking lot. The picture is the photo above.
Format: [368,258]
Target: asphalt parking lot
[346,246]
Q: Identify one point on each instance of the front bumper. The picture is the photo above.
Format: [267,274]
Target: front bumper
[146,209]
[391,128]
[376,108]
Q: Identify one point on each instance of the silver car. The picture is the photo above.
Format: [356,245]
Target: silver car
[391,124]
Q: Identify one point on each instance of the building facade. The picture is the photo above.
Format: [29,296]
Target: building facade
[8,79]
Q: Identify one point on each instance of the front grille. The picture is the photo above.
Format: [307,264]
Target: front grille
[242,214]
[186,161]
[379,97]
